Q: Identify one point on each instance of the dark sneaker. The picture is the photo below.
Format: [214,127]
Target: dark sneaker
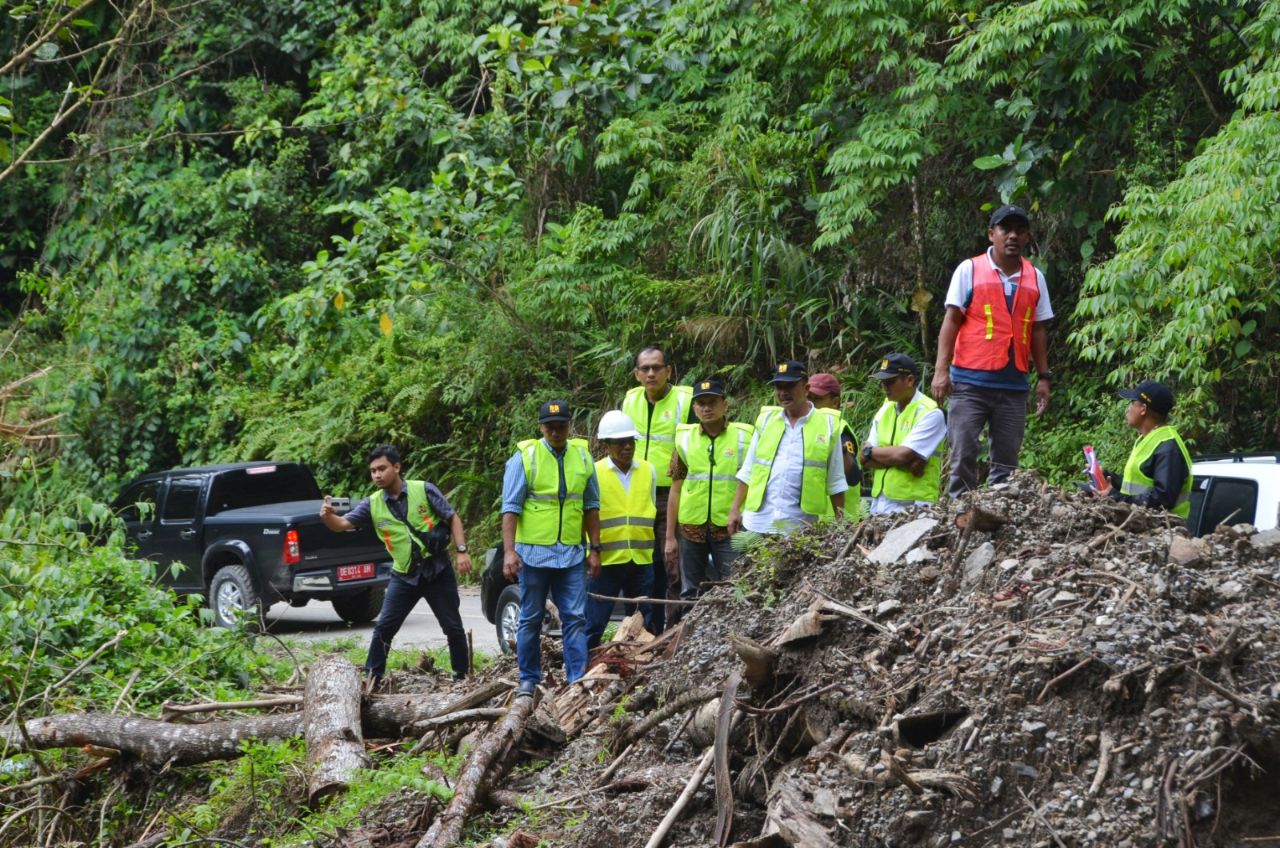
[526,689]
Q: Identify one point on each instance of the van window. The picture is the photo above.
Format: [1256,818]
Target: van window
[184,496]
[139,502]
[1228,500]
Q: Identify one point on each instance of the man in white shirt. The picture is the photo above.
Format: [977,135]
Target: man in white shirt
[904,446]
[793,473]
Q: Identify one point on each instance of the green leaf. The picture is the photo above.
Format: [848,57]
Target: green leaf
[1243,347]
[561,98]
[988,163]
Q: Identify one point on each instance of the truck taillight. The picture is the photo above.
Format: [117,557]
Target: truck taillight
[292,551]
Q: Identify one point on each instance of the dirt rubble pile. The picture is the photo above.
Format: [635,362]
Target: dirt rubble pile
[1021,667]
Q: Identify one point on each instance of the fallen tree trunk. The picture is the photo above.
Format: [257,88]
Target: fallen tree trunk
[155,742]
[160,742]
[331,720]
[446,830]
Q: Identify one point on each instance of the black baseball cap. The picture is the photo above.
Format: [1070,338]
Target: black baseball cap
[896,364]
[555,410]
[709,386]
[1009,211]
[1153,393]
[790,371]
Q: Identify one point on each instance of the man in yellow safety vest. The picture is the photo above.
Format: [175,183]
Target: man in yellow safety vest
[628,510]
[1158,473]
[793,473]
[904,446]
[704,468]
[656,407]
[414,520]
[550,505]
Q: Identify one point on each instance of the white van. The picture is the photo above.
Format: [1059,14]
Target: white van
[1241,488]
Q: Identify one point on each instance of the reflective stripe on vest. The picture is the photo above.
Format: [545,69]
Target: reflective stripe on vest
[819,437]
[892,429]
[1136,483]
[546,519]
[712,464]
[393,532]
[983,343]
[627,516]
[657,426]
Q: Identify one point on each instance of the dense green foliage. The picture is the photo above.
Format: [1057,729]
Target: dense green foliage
[85,627]
[294,230]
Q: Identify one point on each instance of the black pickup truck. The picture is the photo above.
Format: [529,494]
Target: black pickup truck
[249,534]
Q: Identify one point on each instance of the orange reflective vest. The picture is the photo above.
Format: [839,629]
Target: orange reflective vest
[990,328]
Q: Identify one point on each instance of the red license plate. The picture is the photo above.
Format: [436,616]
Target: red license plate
[355,572]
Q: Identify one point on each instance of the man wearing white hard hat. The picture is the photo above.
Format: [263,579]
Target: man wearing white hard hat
[628,510]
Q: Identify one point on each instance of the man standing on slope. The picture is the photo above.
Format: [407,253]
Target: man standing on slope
[793,473]
[550,502]
[996,327]
[904,446]
[656,407]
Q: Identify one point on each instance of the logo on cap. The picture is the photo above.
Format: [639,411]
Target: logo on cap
[705,385]
[555,407]
[1146,398]
[884,365]
[782,368]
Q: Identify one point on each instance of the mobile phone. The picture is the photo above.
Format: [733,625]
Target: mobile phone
[340,505]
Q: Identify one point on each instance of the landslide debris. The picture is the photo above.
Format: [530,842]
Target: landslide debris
[1021,667]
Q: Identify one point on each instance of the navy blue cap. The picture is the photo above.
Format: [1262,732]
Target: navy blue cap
[1153,393]
[555,410]
[1009,211]
[790,371]
[709,386]
[896,364]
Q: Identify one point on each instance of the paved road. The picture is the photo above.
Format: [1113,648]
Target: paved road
[317,621]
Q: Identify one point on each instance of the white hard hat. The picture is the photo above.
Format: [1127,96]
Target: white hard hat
[616,424]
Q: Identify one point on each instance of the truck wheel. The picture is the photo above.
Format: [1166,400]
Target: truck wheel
[506,618]
[233,600]
[360,607]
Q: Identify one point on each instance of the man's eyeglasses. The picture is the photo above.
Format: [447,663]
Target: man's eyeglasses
[651,369]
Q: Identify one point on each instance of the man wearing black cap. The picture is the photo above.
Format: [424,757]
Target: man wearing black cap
[707,458]
[904,446]
[995,329]
[793,473]
[550,503]
[1158,473]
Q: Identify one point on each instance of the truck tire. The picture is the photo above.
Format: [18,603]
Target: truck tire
[506,618]
[233,599]
[360,607]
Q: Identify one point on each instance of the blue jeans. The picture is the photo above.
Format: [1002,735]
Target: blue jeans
[629,581]
[441,594]
[568,588]
[704,562]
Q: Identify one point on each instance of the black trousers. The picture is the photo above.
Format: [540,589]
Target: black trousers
[441,594]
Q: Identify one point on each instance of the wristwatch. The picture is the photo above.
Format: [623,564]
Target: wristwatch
[596,548]
[866,453]
[1047,376]
[462,549]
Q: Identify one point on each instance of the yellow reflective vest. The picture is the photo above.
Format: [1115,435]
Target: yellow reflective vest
[394,533]
[1136,483]
[546,518]
[712,463]
[657,425]
[821,436]
[892,429]
[626,515]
